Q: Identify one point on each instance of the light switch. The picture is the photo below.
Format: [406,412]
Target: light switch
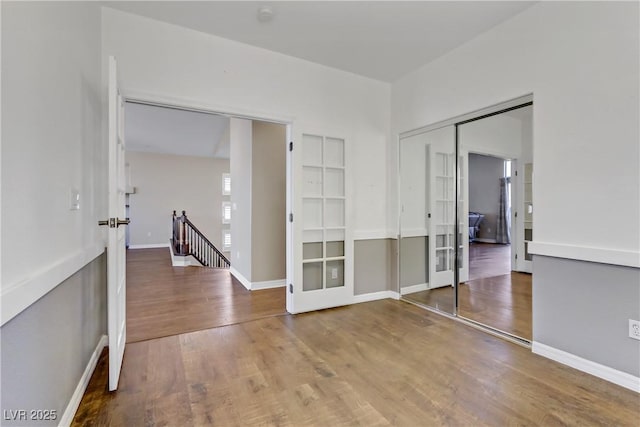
[74,199]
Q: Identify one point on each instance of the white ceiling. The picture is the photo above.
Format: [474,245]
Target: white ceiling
[172,131]
[383,40]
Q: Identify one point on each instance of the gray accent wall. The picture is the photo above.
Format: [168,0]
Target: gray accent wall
[374,265]
[583,308]
[484,191]
[46,348]
[268,202]
[414,261]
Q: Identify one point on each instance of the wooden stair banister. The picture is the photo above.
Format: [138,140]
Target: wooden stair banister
[188,240]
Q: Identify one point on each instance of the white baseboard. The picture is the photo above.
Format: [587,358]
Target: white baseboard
[374,296]
[19,295]
[150,246]
[76,397]
[245,282]
[414,288]
[268,284]
[601,371]
[481,240]
[182,261]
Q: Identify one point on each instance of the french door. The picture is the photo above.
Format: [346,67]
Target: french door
[323,247]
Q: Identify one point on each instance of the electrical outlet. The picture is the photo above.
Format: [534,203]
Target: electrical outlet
[334,273]
[634,329]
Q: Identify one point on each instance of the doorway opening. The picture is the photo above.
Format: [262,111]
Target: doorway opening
[228,176]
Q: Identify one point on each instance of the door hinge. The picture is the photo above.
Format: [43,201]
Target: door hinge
[516,214]
[291,146]
[291,217]
[290,288]
[516,173]
[516,256]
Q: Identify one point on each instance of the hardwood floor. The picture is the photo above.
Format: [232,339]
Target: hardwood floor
[163,300]
[378,363]
[502,302]
[493,295]
[488,260]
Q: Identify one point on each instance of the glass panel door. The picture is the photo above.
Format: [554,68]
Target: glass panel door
[325,281]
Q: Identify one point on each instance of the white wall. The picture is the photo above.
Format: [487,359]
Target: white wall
[52,142]
[174,62]
[499,135]
[164,183]
[53,282]
[240,133]
[580,61]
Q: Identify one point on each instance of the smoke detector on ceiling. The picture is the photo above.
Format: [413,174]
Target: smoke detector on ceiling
[265,14]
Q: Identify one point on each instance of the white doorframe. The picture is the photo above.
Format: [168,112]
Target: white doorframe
[198,106]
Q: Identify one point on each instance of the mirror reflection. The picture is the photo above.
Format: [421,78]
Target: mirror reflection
[497,157]
[427,220]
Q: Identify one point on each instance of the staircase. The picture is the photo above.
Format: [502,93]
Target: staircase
[189,241]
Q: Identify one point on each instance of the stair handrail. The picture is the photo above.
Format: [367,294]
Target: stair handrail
[185,234]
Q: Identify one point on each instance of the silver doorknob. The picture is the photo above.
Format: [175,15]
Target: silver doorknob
[115,222]
[125,221]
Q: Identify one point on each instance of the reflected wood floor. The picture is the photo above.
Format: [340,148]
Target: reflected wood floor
[494,295]
[488,260]
[378,363]
[502,302]
[163,300]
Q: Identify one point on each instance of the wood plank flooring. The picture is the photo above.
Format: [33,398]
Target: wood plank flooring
[493,295]
[488,260]
[378,363]
[163,300]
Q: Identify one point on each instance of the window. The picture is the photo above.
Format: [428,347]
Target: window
[226,184]
[226,212]
[226,240]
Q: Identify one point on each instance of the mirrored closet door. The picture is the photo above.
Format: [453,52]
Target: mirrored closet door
[427,218]
[466,218]
[496,154]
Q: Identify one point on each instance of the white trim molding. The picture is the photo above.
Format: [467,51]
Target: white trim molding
[76,397]
[414,288]
[615,376]
[17,296]
[373,234]
[268,284]
[150,246]
[245,282]
[586,253]
[182,261]
[374,296]
[481,240]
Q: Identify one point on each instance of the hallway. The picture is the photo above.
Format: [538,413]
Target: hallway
[163,300]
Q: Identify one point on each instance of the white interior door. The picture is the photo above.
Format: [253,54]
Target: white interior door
[116,251]
[323,247]
[442,177]
[463,215]
[524,219]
